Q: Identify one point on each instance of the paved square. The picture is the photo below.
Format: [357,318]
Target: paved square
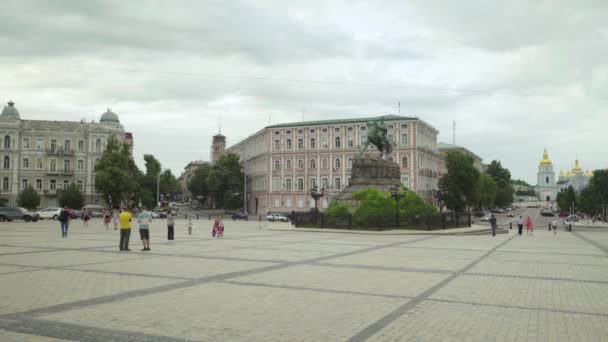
[281,284]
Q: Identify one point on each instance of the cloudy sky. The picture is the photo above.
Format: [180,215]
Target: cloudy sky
[516,76]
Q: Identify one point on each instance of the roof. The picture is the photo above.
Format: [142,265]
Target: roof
[446,146]
[109,117]
[343,121]
[10,111]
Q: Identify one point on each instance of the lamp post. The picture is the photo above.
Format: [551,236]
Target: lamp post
[315,194]
[110,201]
[158,190]
[397,196]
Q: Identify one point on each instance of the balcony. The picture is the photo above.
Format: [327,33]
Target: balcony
[51,193]
[59,152]
[59,172]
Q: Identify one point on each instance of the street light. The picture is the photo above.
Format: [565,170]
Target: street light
[397,196]
[158,189]
[316,195]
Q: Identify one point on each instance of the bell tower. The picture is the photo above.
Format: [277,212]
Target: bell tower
[547,190]
[218,145]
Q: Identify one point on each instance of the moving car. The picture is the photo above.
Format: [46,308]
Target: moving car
[277,217]
[239,216]
[486,218]
[14,213]
[572,218]
[49,213]
[547,212]
[95,213]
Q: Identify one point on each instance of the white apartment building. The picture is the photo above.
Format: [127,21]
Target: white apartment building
[49,155]
[283,162]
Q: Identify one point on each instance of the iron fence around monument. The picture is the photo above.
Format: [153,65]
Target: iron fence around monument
[436,221]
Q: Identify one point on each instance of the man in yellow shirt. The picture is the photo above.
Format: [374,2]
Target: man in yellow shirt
[125,229]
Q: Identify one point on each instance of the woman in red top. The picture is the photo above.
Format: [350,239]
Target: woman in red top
[529,226]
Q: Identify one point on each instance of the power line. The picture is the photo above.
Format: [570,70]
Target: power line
[410,86]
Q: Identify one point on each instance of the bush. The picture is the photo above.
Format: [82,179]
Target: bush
[71,197]
[411,206]
[336,213]
[376,209]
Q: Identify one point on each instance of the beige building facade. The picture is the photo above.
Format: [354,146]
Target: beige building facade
[283,162]
[49,155]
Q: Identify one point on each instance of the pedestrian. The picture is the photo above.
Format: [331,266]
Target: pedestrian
[106,219]
[215,228]
[520,225]
[115,216]
[125,218]
[493,224]
[529,226]
[86,217]
[144,219]
[220,228]
[64,220]
[170,226]
[554,226]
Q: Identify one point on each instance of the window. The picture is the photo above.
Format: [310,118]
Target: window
[324,130]
[405,181]
[288,202]
[53,145]
[313,164]
[324,183]
[288,132]
[7,141]
[23,183]
[300,144]
[98,145]
[312,182]
[350,129]
[277,132]
[39,143]
[312,130]
[26,143]
[53,165]
[312,143]
[53,184]
[277,184]
[39,165]
[300,164]
[277,145]
[547,180]
[324,140]
[337,184]
[38,184]
[350,141]
[300,184]
[403,125]
[300,131]
[79,183]
[404,162]
[363,128]
[337,129]
[390,138]
[337,163]
[324,164]
[362,139]
[80,145]
[288,144]
[5,183]
[66,165]
[300,203]
[26,163]
[7,162]
[350,163]
[277,202]
[337,142]
[277,164]
[67,145]
[80,164]
[403,139]
[66,183]
[288,184]
[288,164]
[390,126]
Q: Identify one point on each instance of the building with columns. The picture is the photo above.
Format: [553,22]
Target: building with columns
[546,187]
[283,162]
[575,178]
[49,155]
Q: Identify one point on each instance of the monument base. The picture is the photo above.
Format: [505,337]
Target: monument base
[370,171]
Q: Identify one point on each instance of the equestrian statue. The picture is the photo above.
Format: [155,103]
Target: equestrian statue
[376,135]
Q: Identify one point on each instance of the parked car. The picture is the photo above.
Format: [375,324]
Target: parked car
[497,211]
[95,213]
[486,218]
[572,218]
[277,217]
[15,213]
[239,216]
[49,213]
[547,212]
[510,214]
[73,213]
[479,214]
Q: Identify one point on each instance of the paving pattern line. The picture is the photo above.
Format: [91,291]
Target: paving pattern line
[499,275]
[380,324]
[600,246]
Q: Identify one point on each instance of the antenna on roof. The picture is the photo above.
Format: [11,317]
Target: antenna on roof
[220,128]
[399,107]
[454,133]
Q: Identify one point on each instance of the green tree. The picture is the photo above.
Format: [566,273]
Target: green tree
[565,198]
[116,174]
[3,201]
[457,187]
[502,177]
[411,205]
[336,213]
[168,184]
[376,209]
[485,191]
[225,182]
[520,182]
[71,197]
[28,198]
[199,183]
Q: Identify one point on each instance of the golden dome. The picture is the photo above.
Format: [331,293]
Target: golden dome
[546,160]
[561,173]
[569,174]
[576,168]
[589,174]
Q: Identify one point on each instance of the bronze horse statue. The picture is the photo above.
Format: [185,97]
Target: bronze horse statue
[376,135]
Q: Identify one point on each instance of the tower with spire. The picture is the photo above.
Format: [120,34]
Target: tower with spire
[218,145]
[546,188]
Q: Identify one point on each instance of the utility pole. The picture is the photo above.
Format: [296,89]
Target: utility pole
[158,190]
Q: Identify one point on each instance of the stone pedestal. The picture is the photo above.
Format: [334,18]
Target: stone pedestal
[370,171]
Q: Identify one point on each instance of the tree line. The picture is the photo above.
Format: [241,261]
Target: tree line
[219,185]
[592,200]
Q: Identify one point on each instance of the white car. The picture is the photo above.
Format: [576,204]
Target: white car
[276,217]
[486,218]
[49,213]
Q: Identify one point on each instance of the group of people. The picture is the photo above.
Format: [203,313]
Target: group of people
[520,225]
[122,218]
